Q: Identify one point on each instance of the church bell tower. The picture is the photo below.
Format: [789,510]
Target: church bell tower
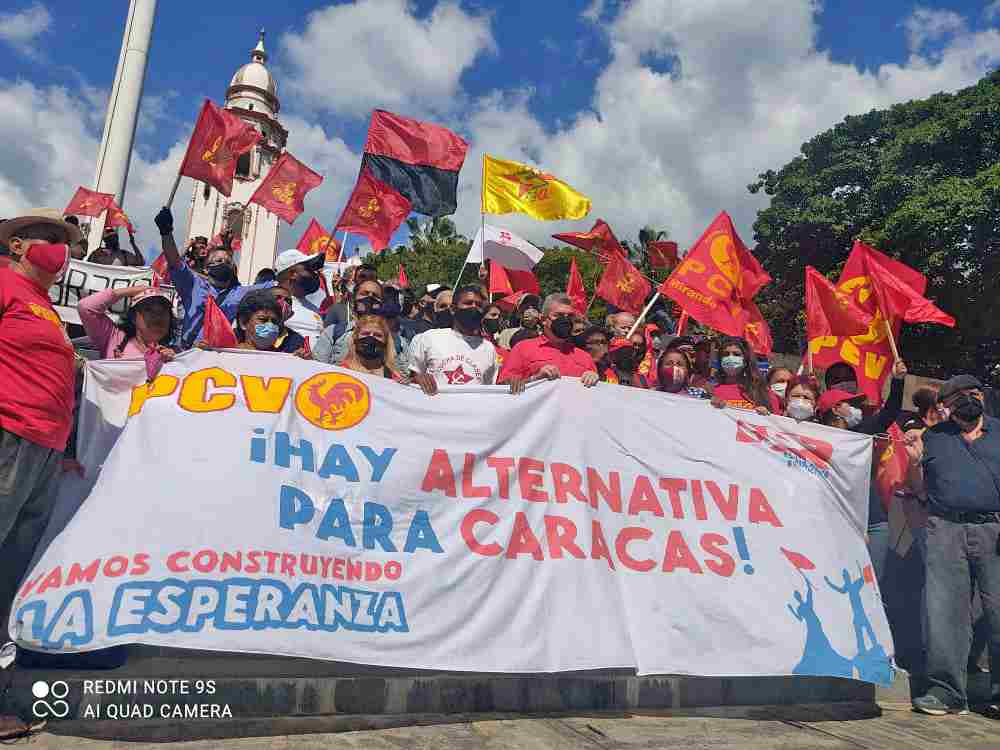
[253,96]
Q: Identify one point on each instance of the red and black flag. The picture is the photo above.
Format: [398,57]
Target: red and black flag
[418,159]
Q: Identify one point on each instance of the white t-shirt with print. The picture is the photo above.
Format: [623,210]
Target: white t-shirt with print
[306,320]
[454,359]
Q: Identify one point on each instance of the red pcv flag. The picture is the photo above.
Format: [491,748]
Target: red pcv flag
[831,312]
[622,285]
[218,140]
[575,289]
[374,210]
[717,279]
[756,331]
[88,203]
[403,282]
[499,283]
[315,239]
[600,240]
[118,218]
[898,300]
[662,254]
[283,191]
[216,330]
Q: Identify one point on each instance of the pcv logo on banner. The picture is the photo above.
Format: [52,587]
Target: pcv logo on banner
[57,708]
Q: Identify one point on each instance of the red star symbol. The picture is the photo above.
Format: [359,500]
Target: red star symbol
[458,376]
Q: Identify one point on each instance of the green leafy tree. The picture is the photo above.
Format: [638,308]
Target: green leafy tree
[919,181]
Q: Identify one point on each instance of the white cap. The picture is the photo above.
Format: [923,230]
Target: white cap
[290,258]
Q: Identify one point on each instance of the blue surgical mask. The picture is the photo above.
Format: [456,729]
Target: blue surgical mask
[265,334]
[732,363]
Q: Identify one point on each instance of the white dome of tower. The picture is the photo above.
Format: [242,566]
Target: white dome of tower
[253,87]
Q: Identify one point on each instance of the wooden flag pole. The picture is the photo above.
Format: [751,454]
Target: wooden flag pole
[638,321]
[892,341]
[173,191]
[809,355]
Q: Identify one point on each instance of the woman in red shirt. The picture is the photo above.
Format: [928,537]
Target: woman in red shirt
[740,383]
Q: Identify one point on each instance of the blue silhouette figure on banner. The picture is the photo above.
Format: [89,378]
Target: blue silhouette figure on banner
[819,656]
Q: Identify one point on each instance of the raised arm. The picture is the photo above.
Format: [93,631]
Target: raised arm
[165,223]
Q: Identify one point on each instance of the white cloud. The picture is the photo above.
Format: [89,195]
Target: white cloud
[672,149]
[19,29]
[929,25]
[376,53]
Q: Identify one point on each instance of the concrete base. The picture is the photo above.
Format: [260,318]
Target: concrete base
[268,695]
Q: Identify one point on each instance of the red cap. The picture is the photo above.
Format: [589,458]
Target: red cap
[833,397]
[619,343]
[49,258]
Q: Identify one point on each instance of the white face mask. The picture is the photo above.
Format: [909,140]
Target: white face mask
[852,415]
[780,388]
[800,409]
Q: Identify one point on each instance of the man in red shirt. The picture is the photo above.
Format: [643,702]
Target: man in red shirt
[551,355]
[37,375]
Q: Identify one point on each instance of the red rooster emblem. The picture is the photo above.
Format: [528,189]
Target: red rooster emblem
[337,397]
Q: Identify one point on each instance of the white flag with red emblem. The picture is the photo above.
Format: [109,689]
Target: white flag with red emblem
[506,248]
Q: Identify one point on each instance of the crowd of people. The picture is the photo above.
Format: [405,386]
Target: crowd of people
[441,337]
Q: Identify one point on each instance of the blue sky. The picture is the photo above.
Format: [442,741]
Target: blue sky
[661,110]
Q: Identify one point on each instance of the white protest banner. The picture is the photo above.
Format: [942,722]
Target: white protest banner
[82,278]
[260,503]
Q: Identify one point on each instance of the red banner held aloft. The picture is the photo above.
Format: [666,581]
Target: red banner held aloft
[662,254]
[600,240]
[283,191]
[756,331]
[218,140]
[829,311]
[374,210]
[623,286]
[88,203]
[499,282]
[717,279]
[118,218]
[317,240]
[898,300]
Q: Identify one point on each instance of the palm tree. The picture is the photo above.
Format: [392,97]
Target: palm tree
[434,232]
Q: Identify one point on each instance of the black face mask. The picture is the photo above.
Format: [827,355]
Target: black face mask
[221,272]
[967,410]
[427,310]
[370,347]
[305,287]
[407,308]
[470,318]
[367,305]
[562,327]
[443,319]
[492,325]
[624,359]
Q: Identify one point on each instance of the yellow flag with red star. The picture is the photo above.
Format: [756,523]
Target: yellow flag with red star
[512,187]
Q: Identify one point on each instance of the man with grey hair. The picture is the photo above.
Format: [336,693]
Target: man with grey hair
[620,323]
[551,355]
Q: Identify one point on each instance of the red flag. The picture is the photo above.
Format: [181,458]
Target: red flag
[892,465]
[800,561]
[218,140]
[575,289]
[499,282]
[316,239]
[662,254]
[403,282]
[830,312]
[756,331]
[217,331]
[600,240]
[160,273]
[623,286]
[88,203]
[717,279]
[524,281]
[283,191]
[898,300]
[869,354]
[118,218]
[375,210]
